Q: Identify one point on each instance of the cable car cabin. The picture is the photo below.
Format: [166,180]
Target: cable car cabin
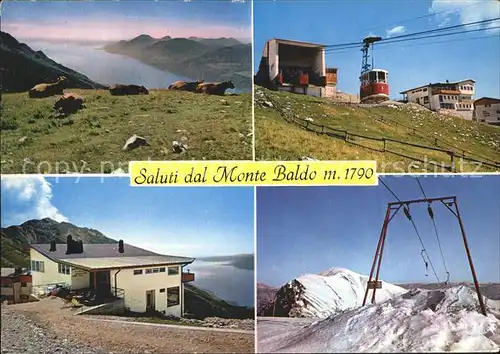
[374,86]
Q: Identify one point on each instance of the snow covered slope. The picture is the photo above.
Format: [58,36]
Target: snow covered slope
[321,295]
[417,321]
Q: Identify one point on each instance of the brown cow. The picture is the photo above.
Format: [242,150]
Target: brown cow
[122,90]
[215,88]
[68,104]
[47,90]
[190,86]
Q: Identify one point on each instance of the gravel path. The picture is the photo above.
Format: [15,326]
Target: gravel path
[20,334]
[42,326]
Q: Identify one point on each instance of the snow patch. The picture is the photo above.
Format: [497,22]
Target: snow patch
[333,291]
[415,321]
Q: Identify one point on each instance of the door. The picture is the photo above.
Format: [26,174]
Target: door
[150,300]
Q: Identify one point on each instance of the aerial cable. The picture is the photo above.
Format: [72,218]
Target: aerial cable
[385,185]
[419,17]
[408,215]
[396,40]
[431,215]
[408,36]
[349,50]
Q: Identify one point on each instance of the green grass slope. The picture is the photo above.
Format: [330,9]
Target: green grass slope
[91,141]
[276,138]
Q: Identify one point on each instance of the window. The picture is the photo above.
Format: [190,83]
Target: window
[173,296]
[440,98]
[426,99]
[162,290]
[425,90]
[442,105]
[64,269]
[156,270]
[173,270]
[487,105]
[162,270]
[24,284]
[137,271]
[38,266]
[149,271]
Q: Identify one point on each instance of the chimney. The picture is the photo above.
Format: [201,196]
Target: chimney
[120,246]
[69,244]
[52,246]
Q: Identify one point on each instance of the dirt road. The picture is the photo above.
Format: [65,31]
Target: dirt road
[96,337]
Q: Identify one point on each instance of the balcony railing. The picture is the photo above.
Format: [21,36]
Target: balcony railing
[187,277]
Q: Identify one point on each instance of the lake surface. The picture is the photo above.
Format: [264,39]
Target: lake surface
[227,282]
[105,68]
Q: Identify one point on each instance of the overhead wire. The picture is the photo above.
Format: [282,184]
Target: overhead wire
[420,44]
[409,217]
[410,35]
[431,215]
[422,17]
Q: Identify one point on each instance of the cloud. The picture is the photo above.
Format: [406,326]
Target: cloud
[466,12]
[27,197]
[396,30]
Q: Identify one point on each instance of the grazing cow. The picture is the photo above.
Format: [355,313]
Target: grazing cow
[68,103]
[122,90]
[190,86]
[215,88]
[47,90]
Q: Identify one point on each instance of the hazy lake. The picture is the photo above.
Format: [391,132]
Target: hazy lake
[227,282]
[103,67]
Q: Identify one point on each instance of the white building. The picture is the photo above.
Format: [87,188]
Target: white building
[487,109]
[145,280]
[452,96]
[297,67]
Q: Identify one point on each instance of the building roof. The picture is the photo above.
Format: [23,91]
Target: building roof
[437,83]
[98,256]
[494,100]
[299,43]
[125,262]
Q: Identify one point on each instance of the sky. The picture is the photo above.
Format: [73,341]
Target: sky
[112,20]
[304,230]
[410,64]
[191,222]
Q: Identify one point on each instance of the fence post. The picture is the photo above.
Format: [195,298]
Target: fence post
[346,137]
[322,129]
[385,144]
[436,141]
[452,156]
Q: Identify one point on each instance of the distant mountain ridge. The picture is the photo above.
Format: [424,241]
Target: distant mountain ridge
[22,68]
[15,238]
[210,59]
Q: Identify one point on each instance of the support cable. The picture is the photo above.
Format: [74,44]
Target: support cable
[408,215]
[431,215]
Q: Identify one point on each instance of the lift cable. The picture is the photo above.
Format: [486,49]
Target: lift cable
[385,185]
[409,35]
[347,50]
[424,249]
[408,215]
[395,40]
[431,215]
[421,17]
